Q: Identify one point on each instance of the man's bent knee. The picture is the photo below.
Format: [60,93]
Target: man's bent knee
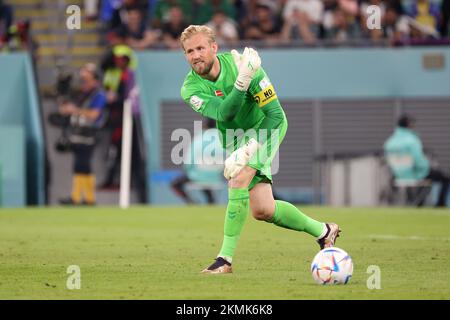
[262,214]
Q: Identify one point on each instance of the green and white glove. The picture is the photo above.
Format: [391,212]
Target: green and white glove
[248,64]
[237,58]
[239,159]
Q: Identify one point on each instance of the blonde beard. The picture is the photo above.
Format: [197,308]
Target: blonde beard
[207,69]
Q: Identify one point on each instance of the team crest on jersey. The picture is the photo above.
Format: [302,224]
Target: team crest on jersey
[264,83]
[196,102]
[218,93]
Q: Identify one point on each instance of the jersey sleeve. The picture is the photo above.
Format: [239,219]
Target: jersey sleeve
[262,89]
[266,98]
[211,106]
[195,98]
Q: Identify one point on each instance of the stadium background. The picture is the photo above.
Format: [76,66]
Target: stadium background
[348,105]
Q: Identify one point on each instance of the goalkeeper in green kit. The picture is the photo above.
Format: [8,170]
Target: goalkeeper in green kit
[234,90]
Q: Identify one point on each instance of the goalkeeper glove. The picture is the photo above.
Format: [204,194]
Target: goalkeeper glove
[239,159]
[237,58]
[249,64]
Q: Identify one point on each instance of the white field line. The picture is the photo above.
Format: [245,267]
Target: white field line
[397,237]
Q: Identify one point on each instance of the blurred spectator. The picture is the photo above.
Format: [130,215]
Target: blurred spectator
[425,12]
[338,27]
[118,82]
[329,7]
[339,22]
[406,158]
[173,28]
[199,165]
[265,25]
[224,28]
[203,10]
[135,32]
[395,26]
[162,11]
[119,67]
[6,17]
[120,10]
[312,8]
[426,17]
[86,115]
[302,19]
[112,72]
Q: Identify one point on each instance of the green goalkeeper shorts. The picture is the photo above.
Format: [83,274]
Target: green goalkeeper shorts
[262,161]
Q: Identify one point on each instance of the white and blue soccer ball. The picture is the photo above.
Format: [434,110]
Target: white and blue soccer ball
[332,266]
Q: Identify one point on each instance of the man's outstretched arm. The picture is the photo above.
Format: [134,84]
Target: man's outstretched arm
[224,110]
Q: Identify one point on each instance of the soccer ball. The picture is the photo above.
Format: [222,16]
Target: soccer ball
[332,266]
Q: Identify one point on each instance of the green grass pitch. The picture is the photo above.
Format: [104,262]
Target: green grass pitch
[158,253]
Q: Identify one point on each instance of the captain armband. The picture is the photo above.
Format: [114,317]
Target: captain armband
[265,96]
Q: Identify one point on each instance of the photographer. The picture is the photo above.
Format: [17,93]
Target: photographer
[84,116]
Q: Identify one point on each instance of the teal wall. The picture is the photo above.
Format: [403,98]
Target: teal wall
[19,111]
[300,74]
[12,175]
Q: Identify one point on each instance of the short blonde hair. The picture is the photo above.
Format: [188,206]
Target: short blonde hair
[192,30]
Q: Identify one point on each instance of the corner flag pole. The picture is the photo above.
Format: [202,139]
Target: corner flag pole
[125,166]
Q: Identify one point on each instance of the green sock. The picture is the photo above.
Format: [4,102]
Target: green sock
[237,212]
[288,216]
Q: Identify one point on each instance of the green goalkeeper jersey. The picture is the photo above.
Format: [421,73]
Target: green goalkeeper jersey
[259,107]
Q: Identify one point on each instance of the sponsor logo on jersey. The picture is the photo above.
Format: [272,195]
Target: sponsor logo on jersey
[264,83]
[196,102]
[265,96]
[218,93]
